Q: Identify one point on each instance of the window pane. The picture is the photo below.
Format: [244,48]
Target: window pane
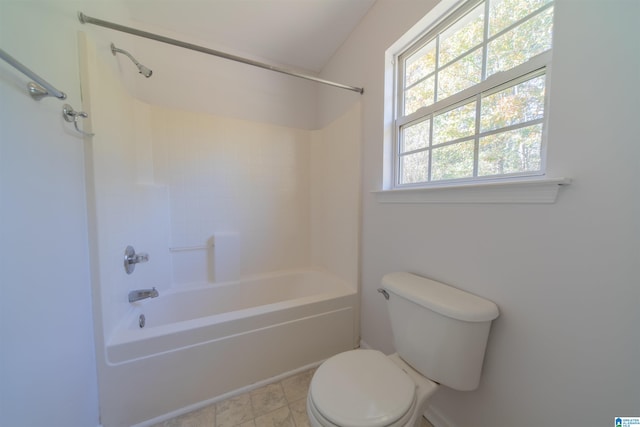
[462,36]
[420,95]
[454,124]
[415,136]
[464,73]
[414,168]
[503,134]
[503,13]
[452,161]
[522,43]
[518,104]
[420,64]
[511,152]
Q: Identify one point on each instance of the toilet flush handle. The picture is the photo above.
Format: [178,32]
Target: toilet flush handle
[384,293]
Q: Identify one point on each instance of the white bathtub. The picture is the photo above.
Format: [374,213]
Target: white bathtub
[205,342]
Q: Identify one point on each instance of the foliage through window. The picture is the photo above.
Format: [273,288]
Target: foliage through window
[471,94]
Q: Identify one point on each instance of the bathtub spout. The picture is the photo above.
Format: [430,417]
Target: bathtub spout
[139,294]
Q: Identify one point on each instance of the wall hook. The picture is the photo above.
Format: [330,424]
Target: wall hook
[72,116]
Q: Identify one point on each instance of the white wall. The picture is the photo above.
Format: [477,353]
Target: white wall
[47,363]
[566,345]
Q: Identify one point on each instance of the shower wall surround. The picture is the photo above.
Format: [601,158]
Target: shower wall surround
[281,198]
[171,182]
[335,195]
[125,206]
[233,176]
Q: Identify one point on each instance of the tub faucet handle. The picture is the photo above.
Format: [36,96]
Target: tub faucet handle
[131,259]
[142,257]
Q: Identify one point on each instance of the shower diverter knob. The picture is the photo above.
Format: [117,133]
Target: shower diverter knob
[131,259]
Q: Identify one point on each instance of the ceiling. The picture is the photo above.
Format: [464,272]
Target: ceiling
[303,34]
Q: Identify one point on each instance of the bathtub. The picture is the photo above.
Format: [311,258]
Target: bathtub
[206,342]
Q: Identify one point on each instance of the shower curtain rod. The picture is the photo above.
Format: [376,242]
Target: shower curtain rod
[89,20]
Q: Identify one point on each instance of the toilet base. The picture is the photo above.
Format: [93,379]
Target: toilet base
[425,388]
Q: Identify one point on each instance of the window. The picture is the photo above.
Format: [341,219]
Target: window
[471,98]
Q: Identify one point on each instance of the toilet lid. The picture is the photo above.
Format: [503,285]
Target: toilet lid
[361,388]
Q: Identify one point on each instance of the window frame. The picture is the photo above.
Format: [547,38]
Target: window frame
[535,66]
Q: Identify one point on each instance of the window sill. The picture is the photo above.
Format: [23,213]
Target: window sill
[536,190]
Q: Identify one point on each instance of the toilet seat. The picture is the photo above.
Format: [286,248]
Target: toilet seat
[361,388]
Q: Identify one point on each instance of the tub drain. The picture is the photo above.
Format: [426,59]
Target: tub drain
[141,320]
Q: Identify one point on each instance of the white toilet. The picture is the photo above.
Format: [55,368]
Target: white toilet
[440,335]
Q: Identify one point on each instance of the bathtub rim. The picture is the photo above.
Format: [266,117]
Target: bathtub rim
[339,297]
[340,286]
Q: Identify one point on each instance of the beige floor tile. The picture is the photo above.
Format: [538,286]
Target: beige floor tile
[234,411]
[281,404]
[299,412]
[296,387]
[204,417]
[267,399]
[279,418]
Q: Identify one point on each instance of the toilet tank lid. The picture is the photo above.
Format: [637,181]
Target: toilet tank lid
[443,299]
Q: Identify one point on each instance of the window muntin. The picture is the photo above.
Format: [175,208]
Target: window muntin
[472,94]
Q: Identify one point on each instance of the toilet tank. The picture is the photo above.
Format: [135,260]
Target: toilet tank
[439,330]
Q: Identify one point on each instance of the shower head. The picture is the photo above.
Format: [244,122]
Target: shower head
[144,70]
[141,68]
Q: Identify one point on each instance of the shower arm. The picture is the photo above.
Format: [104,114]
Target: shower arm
[89,20]
[124,52]
[141,68]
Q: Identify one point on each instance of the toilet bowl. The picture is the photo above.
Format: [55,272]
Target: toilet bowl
[365,388]
[440,334]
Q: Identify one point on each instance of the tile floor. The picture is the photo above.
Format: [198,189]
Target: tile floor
[280,404]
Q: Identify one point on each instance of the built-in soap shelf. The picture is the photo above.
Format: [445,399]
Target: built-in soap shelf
[216,259]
